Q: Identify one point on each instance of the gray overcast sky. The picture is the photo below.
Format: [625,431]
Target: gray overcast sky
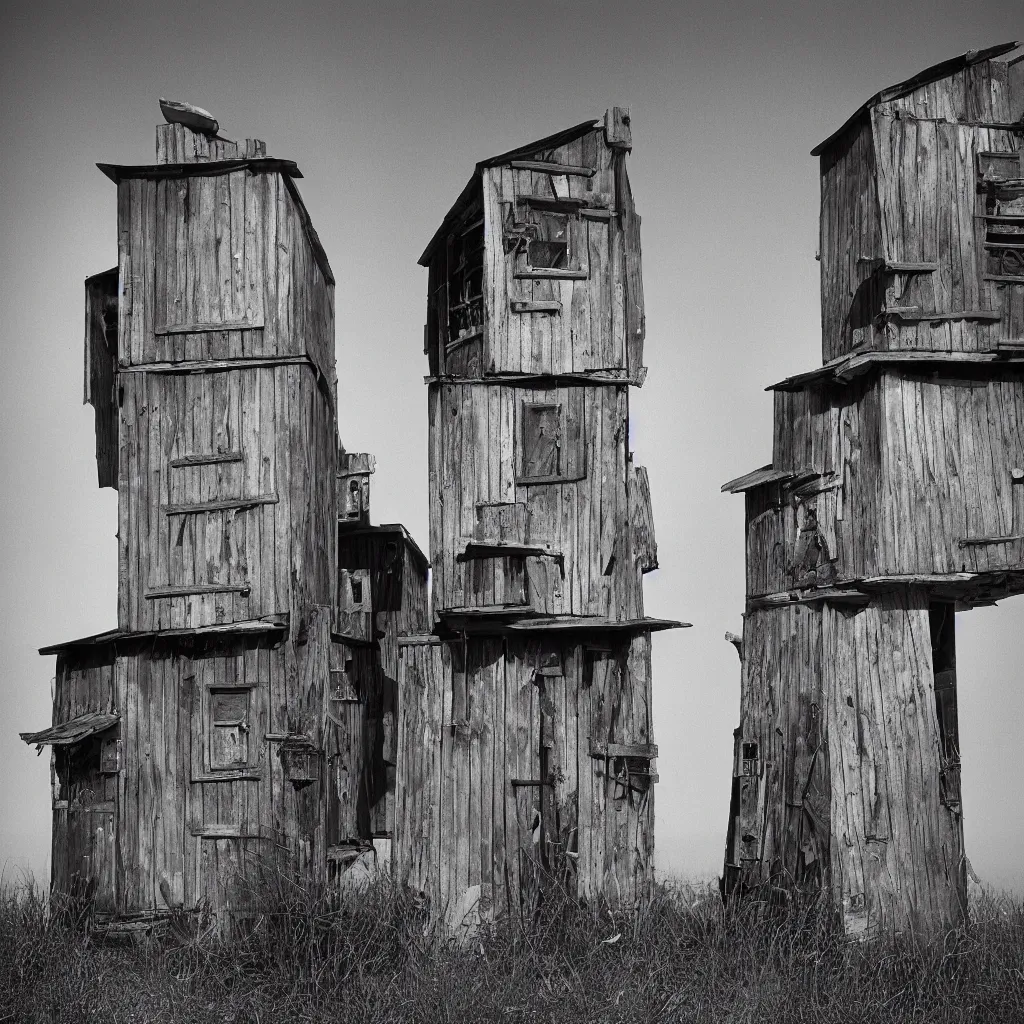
[386,107]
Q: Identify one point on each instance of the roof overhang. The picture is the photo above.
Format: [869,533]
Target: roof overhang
[74,731]
[248,627]
[845,368]
[549,142]
[394,528]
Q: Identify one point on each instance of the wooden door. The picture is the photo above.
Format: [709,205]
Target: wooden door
[89,796]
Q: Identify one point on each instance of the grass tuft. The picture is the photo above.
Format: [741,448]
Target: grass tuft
[372,955]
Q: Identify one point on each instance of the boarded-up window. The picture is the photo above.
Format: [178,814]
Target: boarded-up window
[209,266]
[551,441]
[229,728]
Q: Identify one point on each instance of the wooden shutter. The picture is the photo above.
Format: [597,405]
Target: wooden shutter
[542,442]
[229,728]
[209,266]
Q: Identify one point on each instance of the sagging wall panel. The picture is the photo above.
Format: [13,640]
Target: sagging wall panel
[253,289]
[219,489]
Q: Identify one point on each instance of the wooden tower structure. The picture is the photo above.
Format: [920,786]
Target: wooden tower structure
[234,717]
[894,499]
[526,733]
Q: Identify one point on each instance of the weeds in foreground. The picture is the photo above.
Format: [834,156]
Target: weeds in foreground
[373,956]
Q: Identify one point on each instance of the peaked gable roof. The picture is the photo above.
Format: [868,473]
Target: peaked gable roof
[561,138]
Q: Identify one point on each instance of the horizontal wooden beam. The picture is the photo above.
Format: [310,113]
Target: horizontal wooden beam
[216,365]
[966,542]
[554,202]
[207,326]
[551,274]
[205,459]
[543,306]
[218,831]
[197,590]
[597,378]
[471,549]
[219,505]
[896,267]
[644,750]
[544,167]
[910,313]
[845,368]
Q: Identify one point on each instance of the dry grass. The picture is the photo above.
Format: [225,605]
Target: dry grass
[371,957]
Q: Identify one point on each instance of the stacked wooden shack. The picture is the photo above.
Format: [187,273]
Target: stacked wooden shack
[895,498]
[237,718]
[525,721]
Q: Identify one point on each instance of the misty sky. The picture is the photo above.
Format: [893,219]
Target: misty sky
[386,107]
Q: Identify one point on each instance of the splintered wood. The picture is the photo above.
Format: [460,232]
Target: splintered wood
[892,499]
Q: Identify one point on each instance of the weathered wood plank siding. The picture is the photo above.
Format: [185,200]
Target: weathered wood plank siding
[502,782]
[476,451]
[903,262]
[850,246]
[895,496]
[898,857]
[779,814]
[916,476]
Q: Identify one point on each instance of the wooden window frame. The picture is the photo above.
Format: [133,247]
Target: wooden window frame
[567,472]
[203,769]
[1012,242]
[577,252]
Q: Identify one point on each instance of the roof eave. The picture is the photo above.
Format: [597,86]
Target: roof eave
[548,142]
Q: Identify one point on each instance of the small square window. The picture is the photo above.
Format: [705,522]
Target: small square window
[1001,199]
[547,237]
[542,441]
[228,733]
[548,248]
[551,447]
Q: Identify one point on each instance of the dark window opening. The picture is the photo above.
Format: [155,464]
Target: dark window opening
[466,280]
[546,237]
[1001,187]
[941,619]
[357,591]
[942,623]
[548,246]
